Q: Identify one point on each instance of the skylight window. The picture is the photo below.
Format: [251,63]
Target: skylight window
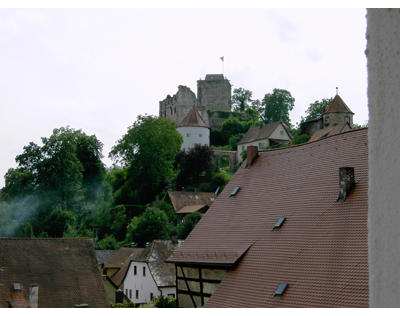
[235,190]
[279,222]
[281,289]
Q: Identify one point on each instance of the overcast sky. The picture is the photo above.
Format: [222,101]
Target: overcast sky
[98,69]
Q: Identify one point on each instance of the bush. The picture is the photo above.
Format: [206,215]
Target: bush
[188,224]
[165,302]
[107,243]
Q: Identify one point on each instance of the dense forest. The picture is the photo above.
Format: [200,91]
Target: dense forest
[61,187]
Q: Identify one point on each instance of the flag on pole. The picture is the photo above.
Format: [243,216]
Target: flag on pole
[222,58]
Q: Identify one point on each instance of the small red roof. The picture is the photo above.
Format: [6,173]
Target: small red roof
[193,118]
[338,106]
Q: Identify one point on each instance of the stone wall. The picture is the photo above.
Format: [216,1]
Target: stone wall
[213,94]
[383,55]
[179,105]
[331,119]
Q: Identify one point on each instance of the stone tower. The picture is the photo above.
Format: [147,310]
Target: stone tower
[213,94]
[337,113]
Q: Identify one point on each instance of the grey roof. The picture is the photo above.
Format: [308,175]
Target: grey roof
[155,256]
[261,132]
[103,255]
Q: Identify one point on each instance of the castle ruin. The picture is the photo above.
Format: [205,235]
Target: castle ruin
[213,94]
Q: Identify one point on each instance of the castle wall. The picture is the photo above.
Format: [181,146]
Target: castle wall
[213,94]
[179,105]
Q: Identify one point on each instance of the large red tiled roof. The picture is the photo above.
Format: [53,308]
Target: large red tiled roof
[321,250]
[64,269]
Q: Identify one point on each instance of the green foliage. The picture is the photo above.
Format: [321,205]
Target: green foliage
[119,222]
[165,302]
[317,108]
[121,305]
[241,99]
[189,222]
[234,140]
[192,164]
[152,224]
[276,106]
[64,177]
[108,242]
[300,139]
[148,150]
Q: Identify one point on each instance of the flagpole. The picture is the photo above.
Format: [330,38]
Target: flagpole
[222,59]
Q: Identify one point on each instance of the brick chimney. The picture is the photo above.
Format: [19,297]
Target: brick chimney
[346,182]
[252,154]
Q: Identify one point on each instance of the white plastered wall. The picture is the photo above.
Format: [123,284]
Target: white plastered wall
[194,135]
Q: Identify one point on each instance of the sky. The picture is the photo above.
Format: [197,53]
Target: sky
[98,69]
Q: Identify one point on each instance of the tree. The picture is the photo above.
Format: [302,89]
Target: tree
[276,106]
[152,224]
[64,173]
[191,164]
[316,109]
[148,151]
[241,99]
[188,224]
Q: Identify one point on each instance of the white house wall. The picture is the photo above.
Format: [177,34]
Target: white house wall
[194,135]
[280,133]
[144,284]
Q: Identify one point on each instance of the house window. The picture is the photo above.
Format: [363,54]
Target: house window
[171,295]
[347,119]
[137,294]
[200,135]
[151,296]
[282,132]
[327,121]
[144,271]
[126,292]
[134,270]
[130,293]
[187,134]
[259,145]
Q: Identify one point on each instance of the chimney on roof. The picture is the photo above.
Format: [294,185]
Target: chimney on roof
[33,296]
[346,182]
[252,154]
